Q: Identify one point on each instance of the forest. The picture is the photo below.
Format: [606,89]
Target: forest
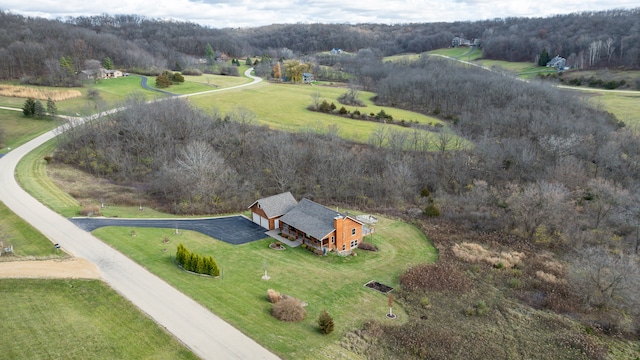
[32,48]
[521,165]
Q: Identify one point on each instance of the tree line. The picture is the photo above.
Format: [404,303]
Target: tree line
[52,51]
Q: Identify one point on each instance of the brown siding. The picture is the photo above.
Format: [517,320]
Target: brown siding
[258,211]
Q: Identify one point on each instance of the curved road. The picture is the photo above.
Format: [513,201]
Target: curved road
[204,333]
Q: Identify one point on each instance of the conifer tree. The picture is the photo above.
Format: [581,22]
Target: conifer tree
[29,107]
[214,270]
[38,109]
[52,109]
[325,322]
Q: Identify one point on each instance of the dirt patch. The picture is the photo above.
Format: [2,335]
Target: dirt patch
[74,268]
[378,287]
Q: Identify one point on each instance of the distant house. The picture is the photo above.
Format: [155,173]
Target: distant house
[267,211]
[307,78]
[558,62]
[101,73]
[309,222]
[336,51]
[110,74]
[458,41]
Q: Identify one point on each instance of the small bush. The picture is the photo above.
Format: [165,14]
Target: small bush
[325,322]
[273,296]
[90,210]
[289,310]
[192,72]
[431,210]
[367,246]
[514,283]
[481,308]
[424,301]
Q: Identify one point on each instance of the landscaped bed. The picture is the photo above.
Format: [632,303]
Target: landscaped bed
[379,287]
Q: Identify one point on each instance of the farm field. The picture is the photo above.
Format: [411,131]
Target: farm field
[333,283]
[78,319]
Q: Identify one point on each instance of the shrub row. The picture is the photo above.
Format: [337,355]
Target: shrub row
[195,262]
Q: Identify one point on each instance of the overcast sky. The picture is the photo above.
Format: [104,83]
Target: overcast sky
[245,13]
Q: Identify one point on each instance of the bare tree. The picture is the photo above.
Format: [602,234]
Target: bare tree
[606,279]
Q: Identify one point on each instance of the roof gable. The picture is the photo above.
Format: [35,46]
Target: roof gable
[311,218]
[276,205]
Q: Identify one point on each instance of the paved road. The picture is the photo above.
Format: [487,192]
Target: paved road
[234,230]
[204,333]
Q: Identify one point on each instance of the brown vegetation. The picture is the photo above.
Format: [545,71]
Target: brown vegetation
[38,93]
[289,309]
[273,296]
[443,276]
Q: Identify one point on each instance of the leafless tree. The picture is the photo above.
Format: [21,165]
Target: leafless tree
[606,279]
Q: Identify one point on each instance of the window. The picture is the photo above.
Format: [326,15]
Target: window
[344,247]
[333,239]
[354,243]
[353,231]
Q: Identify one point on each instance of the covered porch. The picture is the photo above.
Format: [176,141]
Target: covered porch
[304,238]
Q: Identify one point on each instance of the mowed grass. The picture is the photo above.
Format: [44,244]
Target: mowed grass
[333,283]
[78,319]
[19,129]
[625,106]
[284,107]
[31,174]
[462,53]
[25,239]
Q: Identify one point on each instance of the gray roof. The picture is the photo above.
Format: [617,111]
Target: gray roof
[276,205]
[311,218]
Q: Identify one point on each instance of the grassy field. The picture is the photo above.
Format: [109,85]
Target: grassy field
[27,242]
[78,319]
[19,129]
[239,296]
[31,174]
[461,53]
[292,114]
[625,107]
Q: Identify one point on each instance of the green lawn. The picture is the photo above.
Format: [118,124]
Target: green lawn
[78,319]
[461,53]
[19,129]
[31,174]
[266,100]
[625,107]
[26,240]
[333,283]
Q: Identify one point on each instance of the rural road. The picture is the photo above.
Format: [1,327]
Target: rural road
[205,334]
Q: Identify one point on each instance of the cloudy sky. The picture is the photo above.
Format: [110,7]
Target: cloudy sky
[245,13]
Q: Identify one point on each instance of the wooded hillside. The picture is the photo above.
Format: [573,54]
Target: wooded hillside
[34,47]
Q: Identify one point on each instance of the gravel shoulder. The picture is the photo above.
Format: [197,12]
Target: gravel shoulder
[74,268]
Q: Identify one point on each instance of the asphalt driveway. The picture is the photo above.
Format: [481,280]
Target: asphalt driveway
[234,230]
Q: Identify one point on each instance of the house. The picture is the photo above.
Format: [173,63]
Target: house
[308,222]
[110,74]
[558,62]
[459,41]
[101,73]
[266,211]
[307,78]
[322,228]
[336,51]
